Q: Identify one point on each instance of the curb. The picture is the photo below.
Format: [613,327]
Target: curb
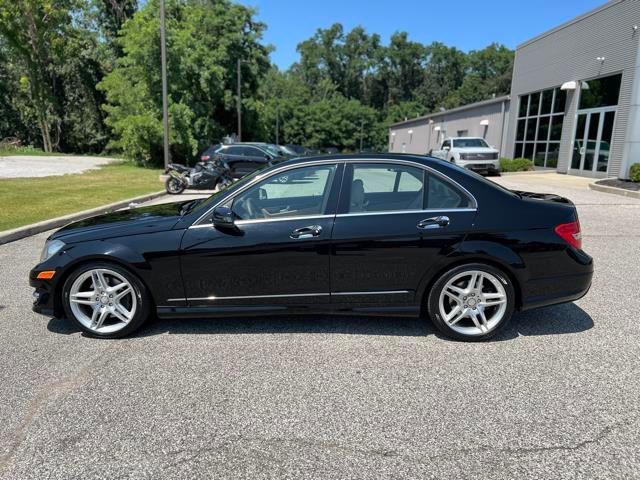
[614,190]
[28,230]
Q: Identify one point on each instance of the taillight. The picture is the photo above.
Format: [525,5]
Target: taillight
[570,233]
[205,158]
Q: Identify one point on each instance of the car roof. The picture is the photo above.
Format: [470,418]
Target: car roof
[428,161]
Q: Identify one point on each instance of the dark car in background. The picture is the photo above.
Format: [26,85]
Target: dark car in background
[245,158]
[391,235]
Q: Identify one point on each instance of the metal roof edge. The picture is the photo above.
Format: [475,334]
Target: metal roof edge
[481,103]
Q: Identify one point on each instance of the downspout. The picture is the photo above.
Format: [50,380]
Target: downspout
[502,114]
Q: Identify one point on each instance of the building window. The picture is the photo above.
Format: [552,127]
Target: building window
[600,92]
[539,126]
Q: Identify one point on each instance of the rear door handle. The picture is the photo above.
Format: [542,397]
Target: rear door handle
[433,223]
[306,232]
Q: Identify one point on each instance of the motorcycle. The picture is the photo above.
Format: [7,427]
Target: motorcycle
[204,176]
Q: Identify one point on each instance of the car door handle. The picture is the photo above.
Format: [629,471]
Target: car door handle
[433,223]
[306,232]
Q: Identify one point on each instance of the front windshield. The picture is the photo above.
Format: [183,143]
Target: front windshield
[272,150]
[469,143]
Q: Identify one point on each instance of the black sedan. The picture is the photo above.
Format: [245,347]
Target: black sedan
[392,235]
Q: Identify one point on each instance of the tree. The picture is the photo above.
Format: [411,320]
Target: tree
[33,31]
[205,39]
[488,73]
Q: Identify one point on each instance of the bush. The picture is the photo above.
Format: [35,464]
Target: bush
[516,165]
[634,172]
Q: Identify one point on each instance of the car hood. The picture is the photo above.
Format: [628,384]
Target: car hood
[124,222]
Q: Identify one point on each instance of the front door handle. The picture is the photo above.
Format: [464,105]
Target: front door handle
[306,232]
[433,223]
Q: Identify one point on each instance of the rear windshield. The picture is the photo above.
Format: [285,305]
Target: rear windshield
[469,143]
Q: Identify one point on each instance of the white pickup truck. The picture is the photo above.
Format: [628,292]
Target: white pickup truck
[470,152]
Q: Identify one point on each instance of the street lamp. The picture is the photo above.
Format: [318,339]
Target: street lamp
[165,108]
[239,105]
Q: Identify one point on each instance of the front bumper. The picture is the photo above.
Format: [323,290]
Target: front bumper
[44,301]
[481,166]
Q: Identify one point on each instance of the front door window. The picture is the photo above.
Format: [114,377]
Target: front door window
[292,193]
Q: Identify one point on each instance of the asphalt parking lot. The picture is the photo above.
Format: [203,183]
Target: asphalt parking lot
[554,396]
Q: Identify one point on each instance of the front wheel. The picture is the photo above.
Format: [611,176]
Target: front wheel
[105,300]
[173,186]
[471,302]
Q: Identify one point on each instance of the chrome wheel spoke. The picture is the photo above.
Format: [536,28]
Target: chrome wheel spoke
[103,300]
[464,310]
[126,291]
[455,289]
[484,324]
[83,298]
[118,312]
[459,314]
[99,282]
[104,313]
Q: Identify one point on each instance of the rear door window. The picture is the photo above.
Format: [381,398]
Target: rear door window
[441,194]
[385,187]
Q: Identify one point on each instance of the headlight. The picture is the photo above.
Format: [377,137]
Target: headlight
[463,156]
[51,247]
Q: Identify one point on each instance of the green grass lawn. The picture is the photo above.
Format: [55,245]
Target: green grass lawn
[29,200]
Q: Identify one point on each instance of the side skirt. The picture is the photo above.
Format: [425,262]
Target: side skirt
[257,310]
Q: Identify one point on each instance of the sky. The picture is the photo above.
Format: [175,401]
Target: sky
[465,24]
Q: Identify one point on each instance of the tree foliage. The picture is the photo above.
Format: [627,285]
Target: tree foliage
[82,75]
[205,40]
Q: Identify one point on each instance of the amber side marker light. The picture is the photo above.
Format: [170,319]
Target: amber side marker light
[46,275]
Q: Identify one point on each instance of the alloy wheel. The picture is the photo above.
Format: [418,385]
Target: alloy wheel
[473,302]
[103,300]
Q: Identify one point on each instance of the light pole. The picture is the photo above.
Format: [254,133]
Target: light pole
[361,133]
[277,125]
[165,108]
[239,80]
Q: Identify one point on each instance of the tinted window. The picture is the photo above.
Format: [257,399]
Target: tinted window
[446,144]
[441,195]
[253,152]
[524,102]
[385,187]
[233,150]
[600,92]
[293,193]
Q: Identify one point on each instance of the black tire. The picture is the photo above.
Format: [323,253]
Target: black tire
[434,296]
[142,295]
[174,186]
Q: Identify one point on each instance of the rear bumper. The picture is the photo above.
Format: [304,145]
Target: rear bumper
[542,292]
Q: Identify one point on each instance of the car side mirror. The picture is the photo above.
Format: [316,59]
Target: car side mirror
[223,217]
[446,149]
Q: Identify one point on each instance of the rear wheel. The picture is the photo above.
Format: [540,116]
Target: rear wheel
[471,302]
[105,300]
[174,186]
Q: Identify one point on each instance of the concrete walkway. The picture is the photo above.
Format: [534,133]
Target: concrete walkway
[574,187]
[25,166]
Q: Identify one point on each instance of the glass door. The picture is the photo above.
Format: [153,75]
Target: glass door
[592,145]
